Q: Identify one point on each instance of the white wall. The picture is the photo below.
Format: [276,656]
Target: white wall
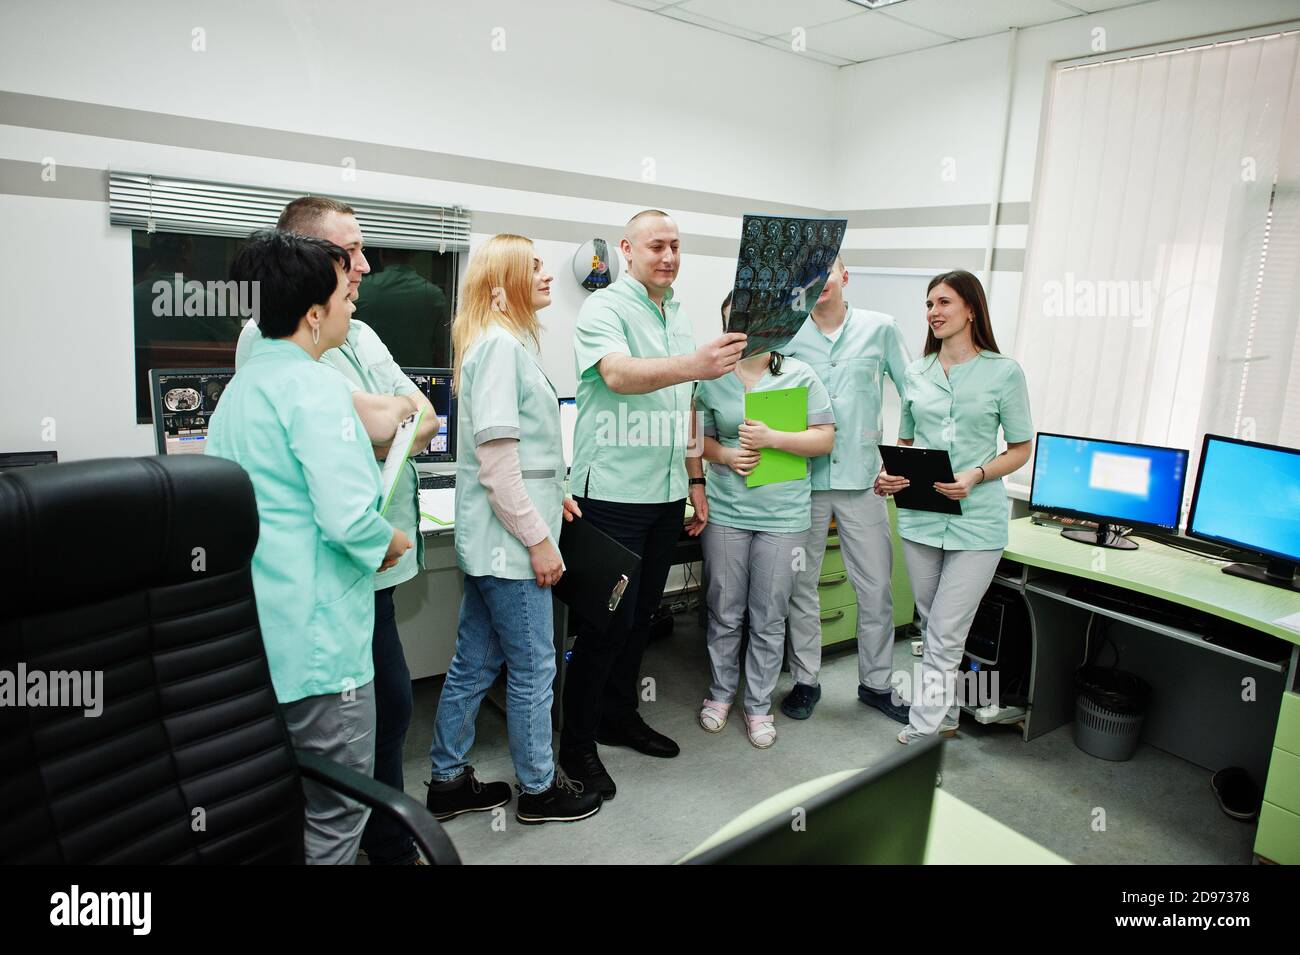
[583,86]
[903,116]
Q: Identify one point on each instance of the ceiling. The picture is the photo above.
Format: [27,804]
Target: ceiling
[841,32]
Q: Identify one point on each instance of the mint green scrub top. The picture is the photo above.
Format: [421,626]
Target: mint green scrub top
[289,422]
[630,448]
[366,365]
[961,413]
[853,369]
[784,507]
[505,394]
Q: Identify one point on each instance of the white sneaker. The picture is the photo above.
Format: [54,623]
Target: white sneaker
[713,716]
[761,730]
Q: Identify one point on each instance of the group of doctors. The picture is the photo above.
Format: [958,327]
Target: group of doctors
[335,658]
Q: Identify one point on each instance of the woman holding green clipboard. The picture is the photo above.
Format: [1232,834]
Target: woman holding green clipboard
[754,541]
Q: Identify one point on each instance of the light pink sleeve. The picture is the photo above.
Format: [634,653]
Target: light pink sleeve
[499,472]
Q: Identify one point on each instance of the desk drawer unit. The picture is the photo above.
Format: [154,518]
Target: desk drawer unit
[1278,836]
[839,624]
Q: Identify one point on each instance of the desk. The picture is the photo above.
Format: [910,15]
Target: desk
[1213,705]
[959,833]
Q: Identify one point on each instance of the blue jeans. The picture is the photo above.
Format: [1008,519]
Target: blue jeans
[502,622]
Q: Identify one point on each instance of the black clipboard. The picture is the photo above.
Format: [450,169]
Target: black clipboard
[923,467]
[597,570]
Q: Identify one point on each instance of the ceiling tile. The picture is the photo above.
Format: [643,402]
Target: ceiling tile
[781,43]
[1093,6]
[645,4]
[966,20]
[772,17]
[870,35]
[686,16]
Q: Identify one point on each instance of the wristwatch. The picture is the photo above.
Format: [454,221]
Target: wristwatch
[698,480]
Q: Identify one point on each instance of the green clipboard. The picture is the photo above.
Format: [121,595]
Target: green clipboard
[782,410]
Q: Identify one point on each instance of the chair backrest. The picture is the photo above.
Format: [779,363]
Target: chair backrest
[135,572]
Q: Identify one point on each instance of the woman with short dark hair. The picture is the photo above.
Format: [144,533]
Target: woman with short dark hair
[288,420]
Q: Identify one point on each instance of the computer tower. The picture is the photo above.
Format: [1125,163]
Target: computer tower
[999,641]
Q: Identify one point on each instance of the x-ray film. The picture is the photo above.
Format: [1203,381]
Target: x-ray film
[782,269]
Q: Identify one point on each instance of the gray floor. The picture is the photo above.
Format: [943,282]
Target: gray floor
[1157,808]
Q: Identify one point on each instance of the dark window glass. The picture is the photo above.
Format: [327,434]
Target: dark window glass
[187,316]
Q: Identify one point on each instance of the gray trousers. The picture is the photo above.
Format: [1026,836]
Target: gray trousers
[341,729]
[863,523]
[948,586]
[754,571]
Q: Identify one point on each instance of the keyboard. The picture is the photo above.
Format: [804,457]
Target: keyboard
[429,482]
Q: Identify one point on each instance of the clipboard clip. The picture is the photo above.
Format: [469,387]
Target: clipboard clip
[616,594]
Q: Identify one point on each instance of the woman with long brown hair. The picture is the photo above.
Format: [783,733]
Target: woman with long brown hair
[509,506]
[959,393]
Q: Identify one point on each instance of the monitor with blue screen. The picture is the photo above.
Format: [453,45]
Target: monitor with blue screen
[1248,495]
[1110,482]
[435,383]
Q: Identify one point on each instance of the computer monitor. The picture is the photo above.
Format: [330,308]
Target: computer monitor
[568,418]
[436,385]
[1110,482]
[878,816]
[1247,495]
[26,459]
[183,400]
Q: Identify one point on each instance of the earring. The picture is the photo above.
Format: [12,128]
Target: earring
[315,335]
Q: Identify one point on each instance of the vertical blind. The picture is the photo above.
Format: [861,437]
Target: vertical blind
[169,204]
[1159,299]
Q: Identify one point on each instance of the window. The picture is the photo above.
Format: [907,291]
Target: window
[1160,299]
[187,314]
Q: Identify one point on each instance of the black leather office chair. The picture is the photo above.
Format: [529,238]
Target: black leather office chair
[138,568]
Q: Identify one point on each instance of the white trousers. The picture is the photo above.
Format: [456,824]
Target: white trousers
[862,521]
[948,586]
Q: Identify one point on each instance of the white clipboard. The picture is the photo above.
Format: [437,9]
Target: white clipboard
[398,452]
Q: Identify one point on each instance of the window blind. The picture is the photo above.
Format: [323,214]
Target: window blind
[169,204]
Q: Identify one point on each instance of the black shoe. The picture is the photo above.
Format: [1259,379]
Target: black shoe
[883,700]
[584,766]
[465,793]
[635,733]
[1237,795]
[564,801]
[799,703]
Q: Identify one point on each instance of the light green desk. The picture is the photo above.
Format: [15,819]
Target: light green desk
[959,833]
[1213,705]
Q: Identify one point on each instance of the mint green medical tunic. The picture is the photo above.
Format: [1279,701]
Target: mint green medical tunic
[505,394]
[853,369]
[961,413]
[366,365]
[784,507]
[289,422]
[630,448]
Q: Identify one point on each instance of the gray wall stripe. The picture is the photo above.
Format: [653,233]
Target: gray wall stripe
[115,122]
[18,178]
[77,182]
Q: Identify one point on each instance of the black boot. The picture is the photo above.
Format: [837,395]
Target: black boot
[465,793]
[564,801]
[584,766]
[633,731]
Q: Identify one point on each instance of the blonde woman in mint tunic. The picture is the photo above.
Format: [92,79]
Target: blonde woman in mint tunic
[509,507]
[959,394]
[755,539]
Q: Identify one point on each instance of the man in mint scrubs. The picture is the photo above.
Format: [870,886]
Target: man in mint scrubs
[382,396]
[852,350]
[636,361]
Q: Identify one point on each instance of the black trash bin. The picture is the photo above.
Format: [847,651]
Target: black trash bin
[1109,709]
